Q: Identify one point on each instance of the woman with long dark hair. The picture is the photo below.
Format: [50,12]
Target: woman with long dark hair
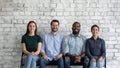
[31,45]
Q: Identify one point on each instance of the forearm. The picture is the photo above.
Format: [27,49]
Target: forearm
[69,55]
[82,55]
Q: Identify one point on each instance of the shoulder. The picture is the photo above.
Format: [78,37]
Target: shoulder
[24,36]
[67,37]
[102,40]
[82,36]
[88,39]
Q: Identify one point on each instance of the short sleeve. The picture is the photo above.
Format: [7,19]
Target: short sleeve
[23,39]
[39,39]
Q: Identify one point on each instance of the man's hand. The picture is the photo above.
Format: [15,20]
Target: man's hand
[45,57]
[77,59]
[58,57]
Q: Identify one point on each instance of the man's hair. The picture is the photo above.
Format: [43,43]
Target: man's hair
[76,23]
[54,21]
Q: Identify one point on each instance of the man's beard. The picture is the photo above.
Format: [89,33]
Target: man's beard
[54,30]
[74,32]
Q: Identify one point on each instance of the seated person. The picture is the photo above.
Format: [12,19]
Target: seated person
[74,46]
[95,49]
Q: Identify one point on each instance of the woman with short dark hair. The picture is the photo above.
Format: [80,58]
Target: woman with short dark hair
[95,48]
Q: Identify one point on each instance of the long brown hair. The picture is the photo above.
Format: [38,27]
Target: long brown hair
[27,31]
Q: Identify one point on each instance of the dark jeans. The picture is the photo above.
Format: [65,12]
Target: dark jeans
[70,61]
[59,62]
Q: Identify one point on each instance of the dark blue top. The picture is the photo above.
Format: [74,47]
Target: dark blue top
[95,47]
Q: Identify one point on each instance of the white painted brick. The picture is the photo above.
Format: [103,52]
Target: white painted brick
[78,13]
[69,9]
[53,13]
[72,5]
[117,54]
[59,13]
[110,54]
[40,13]
[72,13]
[47,13]
[54,5]
[34,13]
[96,17]
[7,25]
[117,46]
[117,13]
[27,13]
[66,13]
[91,13]
[112,50]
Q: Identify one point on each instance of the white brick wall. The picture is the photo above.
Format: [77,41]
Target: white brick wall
[15,14]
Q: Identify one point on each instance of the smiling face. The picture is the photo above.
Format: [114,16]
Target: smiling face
[54,26]
[95,31]
[76,28]
[32,27]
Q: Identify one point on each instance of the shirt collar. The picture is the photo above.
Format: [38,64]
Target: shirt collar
[93,38]
[54,35]
[74,36]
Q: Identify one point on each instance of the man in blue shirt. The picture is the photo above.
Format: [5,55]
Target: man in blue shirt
[74,46]
[52,47]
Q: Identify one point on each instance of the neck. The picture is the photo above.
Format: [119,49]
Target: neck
[54,33]
[75,34]
[31,33]
[95,37]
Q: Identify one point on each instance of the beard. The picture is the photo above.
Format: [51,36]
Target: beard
[75,32]
[54,30]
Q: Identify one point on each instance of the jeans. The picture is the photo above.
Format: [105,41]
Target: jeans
[59,62]
[69,61]
[30,61]
[97,64]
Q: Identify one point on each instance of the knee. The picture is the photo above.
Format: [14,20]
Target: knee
[29,56]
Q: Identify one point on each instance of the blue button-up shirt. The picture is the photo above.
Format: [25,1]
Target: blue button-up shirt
[74,45]
[95,47]
[52,45]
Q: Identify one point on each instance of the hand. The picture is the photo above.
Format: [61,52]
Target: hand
[58,57]
[24,57]
[93,60]
[100,59]
[77,59]
[33,53]
[45,57]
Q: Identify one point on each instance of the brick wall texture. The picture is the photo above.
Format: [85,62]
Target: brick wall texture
[15,14]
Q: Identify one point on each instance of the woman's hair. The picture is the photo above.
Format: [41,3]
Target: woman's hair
[27,31]
[95,26]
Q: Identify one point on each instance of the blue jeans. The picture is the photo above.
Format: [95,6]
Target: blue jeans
[97,64]
[59,62]
[69,61]
[30,61]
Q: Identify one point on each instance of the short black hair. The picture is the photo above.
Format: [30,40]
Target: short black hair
[54,20]
[95,26]
[76,23]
